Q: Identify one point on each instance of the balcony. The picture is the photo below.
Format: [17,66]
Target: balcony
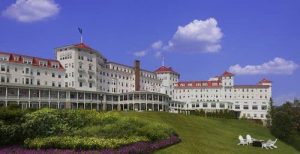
[91,71]
[81,78]
[92,80]
[81,70]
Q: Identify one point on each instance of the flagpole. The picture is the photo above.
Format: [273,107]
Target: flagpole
[81,41]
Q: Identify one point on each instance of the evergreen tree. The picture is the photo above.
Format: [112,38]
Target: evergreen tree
[270,113]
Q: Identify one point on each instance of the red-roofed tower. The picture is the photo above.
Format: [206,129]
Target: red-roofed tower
[168,77]
[227,79]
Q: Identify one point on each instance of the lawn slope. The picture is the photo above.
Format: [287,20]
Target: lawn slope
[208,135]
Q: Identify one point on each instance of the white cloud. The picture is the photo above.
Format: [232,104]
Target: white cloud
[197,36]
[275,66]
[157,45]
[31,10]
[158,54]
[140,53]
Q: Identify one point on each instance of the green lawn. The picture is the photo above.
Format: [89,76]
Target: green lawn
[208,135]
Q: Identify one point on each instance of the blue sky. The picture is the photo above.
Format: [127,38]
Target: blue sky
[254,39]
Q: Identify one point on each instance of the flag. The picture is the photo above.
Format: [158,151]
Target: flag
[80,30]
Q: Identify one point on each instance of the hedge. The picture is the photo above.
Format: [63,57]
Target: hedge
[78,142]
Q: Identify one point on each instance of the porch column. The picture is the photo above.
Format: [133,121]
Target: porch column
[49,96]
[97,100]
[6,93]
[18,92]
[29,94]
[140,106]
[39,94]
[119,105]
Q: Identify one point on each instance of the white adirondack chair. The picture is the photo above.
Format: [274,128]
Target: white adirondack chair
[242,141]
[272,144]
[249,139]
[269,144]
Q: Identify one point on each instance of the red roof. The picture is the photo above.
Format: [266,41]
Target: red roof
[164,69]
[18,58]
[227,74]
[264,81]
[83,46]
[198,84]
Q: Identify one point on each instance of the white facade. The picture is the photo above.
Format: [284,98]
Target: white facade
[26,70]
[79,67]
[87,69]
[252,101]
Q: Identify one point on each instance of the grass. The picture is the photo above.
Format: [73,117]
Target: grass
[213,136]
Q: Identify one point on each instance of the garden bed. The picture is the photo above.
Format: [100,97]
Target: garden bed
[138,147]
[80,131]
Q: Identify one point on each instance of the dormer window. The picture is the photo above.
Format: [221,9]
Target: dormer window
[27,61]
[55,65]
[16,58]
[4,58]
[43,63]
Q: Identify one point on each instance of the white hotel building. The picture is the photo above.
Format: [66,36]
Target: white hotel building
[82,77]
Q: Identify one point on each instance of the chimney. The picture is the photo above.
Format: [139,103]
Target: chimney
[137,71]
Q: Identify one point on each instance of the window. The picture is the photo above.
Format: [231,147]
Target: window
[16,80]
[254,107]
[66,84]
[38,82]
[53,74]
[222,105]
[53,84]
[27,81]
[80,84]
[2,68]
[246,107]
[2,79]
[26,70]
[204,104]
[237,106]
[38,73]
[91,85]
[264,107]
[213,105]
[59,76]
[16,69]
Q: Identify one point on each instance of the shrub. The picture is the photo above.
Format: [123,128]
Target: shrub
[126,127]
[46,122]
[9,134]
[12,116]
[156,131]
[78,142]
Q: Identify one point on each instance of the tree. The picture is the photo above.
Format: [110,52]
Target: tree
[281,125]
[270,113]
